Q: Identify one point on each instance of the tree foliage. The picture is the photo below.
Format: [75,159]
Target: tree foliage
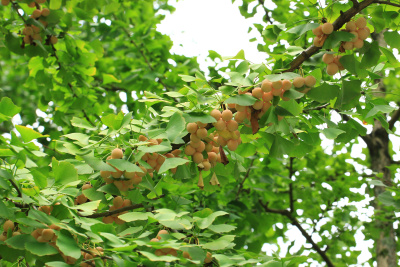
[123,154]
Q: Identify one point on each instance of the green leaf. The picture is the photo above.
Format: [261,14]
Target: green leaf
[109,78]
[239,55]
[281,76]
[153,257]
[220,243]
[379,108]
[171,163]
[377,183]
[301,29]
[67,244]
[324,93]
[28,134]
[392,39]
[55,4]
[97,164]
[371,57]
[175,126]
[293,94]
[351,90]
[187,78]
[40,249]
[82,123]
[222,228]
[19,241]
[203,223]
[124,165]
[8,109]
[386,198]
[331,133]
[135,216]
[243,100]
[335,38]
[64,172]
[280,146]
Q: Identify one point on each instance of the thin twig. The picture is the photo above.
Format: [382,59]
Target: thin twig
[16,7]
[387,3]
[316,108]
[394,118]
[244,179]
[16,187]
[291,172]
[266,16]
[296,223]
[96,255]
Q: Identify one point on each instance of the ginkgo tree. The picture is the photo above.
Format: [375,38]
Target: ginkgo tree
[127,155]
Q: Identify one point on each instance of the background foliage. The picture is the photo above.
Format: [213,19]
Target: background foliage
[111,78]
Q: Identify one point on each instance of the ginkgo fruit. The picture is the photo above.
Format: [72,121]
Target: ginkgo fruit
[117,153]
[361,22]
[332,69]
[226,115]
[327,28]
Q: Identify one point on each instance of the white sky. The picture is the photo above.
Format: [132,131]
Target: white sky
[198,26]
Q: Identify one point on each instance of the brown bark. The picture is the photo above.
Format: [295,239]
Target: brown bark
[378,146]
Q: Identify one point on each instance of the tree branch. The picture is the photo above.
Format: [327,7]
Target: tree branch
[337,24]
[296,223]
[291,172]
[266,16]
[387,3]
[244,179]
[16,187]
[109,213]
[394,118]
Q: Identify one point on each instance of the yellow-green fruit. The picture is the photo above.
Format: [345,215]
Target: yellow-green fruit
[8,225]
[117,153]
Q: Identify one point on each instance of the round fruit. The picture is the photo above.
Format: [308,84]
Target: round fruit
[221,125]
[286,85]
[232,145]
[318,42]
[332,69]
[86,186]
[53,40]
[216,114]
[5,2]
[259,104]
[212,156]
[201,124]
[201,147]
[268,97]
[117,202]
[194,138]
[226,115]
[202,133]
[48,234]
[45,12]
[361,22]
[240,108]
[186,255]
[355,36]
[351,26]
[240,116]
[257,92]
[207,165]
[276,92]
[233,125]
[154,240]
[36,13]
[189,150]
[358,44]
[298,82]
[310,81]
[348,45]
[266,86]
[117,153]
[142,138]
[208,258]
[192,127]
[327,58]
[317,31]
[8,225]
[363,33]
[277,85]
[327,28]
[105,174]
[197,157]
[108,220]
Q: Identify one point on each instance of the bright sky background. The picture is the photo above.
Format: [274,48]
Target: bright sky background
[198,26]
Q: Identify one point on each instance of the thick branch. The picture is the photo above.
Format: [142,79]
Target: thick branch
[296,223]
[387,3]
[109,213]
[337,24]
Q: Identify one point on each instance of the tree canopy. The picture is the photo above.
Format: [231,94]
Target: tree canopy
[116,152]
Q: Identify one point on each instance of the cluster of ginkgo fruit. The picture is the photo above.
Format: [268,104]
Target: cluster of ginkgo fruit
[46,235]
[33,32]
[123,180]
[118,203]
[360,31]
[321,33]
[9,226]
[174,252]
[46,209]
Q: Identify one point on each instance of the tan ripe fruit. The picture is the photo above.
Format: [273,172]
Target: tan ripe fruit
[327,28]
[192,127]
[201,124]
[318,41]
[208,258]
[259,104]
[216,114]
[233,125]
[207,165]
[361,22]
[8,225]
[232,145]
[108,220]
[332,69]
[266,86]
[220,125]
[286,85]
[189,150]
[226,115]
[348,45]
[317,31]
[117,153]
[298,82]
[86,186]
[201,147]
[351,26]
[36,13]
[327,58]
[277,85]
[186,255]
[268,97]
[118,201]
[197,157]
[358,44]
[363,33]
[142,138]
[202,133]
[355,36]
[5,2]
[240,116]
[257,92]
[310,81]
[48,234]
[45,12]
